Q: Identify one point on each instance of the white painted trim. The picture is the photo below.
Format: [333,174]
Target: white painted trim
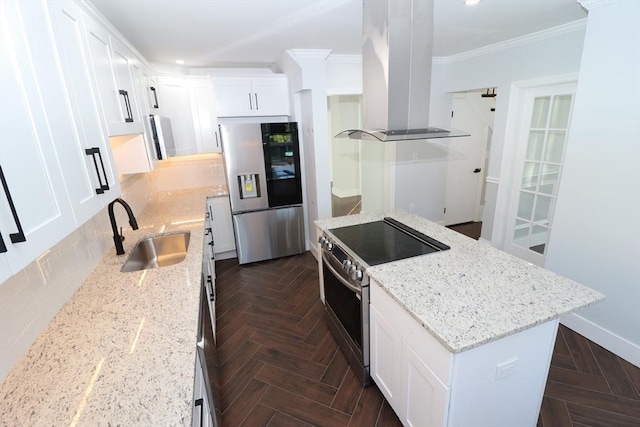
[591,4]
[560,30]
[483,240]
[614,343]
[310,53]
[313,248]
[345,91]
[345,192]
[345,59]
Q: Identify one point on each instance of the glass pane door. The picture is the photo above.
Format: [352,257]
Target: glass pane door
[546,137]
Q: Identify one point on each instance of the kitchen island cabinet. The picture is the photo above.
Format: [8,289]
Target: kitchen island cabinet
[463,336]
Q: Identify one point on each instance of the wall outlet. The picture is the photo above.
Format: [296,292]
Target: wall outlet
[506,368]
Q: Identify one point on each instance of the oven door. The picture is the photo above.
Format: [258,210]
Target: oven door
[347,306]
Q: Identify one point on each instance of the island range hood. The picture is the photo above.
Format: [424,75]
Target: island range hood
[396,62]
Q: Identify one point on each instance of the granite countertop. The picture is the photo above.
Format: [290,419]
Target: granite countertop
[122,349]
[473,293]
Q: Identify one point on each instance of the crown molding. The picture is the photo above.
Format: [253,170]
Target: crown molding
[560,30]
[310,53]
[345,59]
[592,4]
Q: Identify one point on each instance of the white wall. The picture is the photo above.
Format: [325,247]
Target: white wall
[595,238]
[307,82]
[554,52]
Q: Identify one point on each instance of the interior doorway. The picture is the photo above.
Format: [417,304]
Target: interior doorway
[345,112]
[546,118]
[468,157]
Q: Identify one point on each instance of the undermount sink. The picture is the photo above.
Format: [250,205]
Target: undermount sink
[158,251]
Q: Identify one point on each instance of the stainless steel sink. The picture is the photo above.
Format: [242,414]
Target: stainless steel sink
[158,251]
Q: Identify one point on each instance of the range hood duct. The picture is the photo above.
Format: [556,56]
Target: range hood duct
[396,62]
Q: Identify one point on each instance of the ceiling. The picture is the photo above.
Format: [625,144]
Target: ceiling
[249,33]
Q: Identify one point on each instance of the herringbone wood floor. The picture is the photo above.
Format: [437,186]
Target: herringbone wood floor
[281,367]
[589,386]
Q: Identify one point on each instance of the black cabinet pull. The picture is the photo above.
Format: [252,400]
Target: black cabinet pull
[250,102]
[92,152]
[256,96]
[19,236]
[200,403]
[217,142]
[477,170]
[104,172]
[155,96]
[127,104]
[3,247]
[213,290]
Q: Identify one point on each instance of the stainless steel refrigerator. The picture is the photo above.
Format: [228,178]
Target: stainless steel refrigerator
[262,165]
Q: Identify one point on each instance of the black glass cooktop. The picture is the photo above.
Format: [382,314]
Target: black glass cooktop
[385,241]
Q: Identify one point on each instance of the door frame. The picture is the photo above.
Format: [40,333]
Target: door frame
[509,169]
[487,130]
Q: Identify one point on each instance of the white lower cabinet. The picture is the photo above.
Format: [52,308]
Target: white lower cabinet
[222,224]
[423,397]
[405,380]
[498,384]
[201,415]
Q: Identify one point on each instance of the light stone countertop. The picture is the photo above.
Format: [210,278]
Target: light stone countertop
[473,293]
[122,349]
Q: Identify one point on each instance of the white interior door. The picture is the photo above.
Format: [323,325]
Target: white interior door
[542,142]
[466,160]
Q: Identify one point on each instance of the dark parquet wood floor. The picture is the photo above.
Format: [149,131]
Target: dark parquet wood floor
[589,386]
[280,366]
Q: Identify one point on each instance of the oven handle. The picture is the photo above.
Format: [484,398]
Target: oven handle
[338,276]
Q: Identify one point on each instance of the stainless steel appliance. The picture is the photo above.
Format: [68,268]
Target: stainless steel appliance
[346,254]
[162,136]
[262,164]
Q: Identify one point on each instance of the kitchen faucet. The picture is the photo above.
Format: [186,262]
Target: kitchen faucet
[117,238]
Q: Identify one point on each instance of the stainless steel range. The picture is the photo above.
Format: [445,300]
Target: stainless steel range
[346,254]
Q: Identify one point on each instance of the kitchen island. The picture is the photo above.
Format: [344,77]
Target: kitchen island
[463,336]
[121,351]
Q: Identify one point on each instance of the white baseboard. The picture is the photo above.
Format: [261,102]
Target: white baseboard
[345,192]
[226,255]
[619,346]
[313,248]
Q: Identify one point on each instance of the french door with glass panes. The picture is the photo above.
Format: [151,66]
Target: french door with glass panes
[543,137]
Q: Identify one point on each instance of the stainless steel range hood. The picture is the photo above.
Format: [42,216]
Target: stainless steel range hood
[396,61]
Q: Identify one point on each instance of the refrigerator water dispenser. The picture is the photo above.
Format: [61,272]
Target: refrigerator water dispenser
[249,186]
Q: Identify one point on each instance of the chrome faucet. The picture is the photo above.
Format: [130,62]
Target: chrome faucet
[117,238]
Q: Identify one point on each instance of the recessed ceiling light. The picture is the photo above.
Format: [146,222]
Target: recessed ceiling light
[470,2]
[180,61]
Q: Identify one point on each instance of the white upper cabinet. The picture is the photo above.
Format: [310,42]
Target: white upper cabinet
[113,80]
[258,96]
[175,104]
[205,121]
[35,212]
[152,91]
[85,155]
